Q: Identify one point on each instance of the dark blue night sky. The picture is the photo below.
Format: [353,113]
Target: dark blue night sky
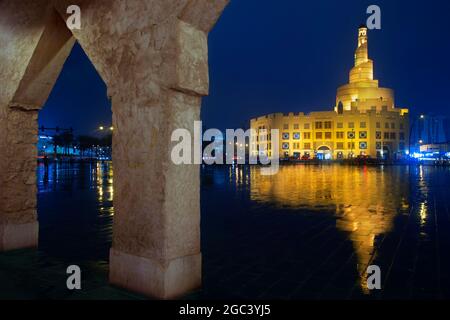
[289,55]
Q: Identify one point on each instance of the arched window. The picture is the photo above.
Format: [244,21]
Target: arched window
[340,108]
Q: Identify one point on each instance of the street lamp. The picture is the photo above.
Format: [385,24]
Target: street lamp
[103,128]
[422,117]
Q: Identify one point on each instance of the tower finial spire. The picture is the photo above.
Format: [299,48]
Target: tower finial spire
[362,54]
[363,69]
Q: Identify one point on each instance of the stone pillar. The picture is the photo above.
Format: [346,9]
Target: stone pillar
[156,243]
[18,219]
[156,234]
[34,44]
[153,58]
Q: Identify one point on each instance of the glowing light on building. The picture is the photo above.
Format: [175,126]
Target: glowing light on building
[364,218]
[364,123]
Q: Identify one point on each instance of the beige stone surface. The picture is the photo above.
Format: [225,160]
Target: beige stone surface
[163,279]
[203,14]
[192,60]
[18,236]
[34,45]
[21,26]
[166,211]
[153,56]
[46,64]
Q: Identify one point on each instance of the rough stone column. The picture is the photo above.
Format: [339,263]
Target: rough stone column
[34,43]
[155,89]
[156,243]
[18,219]
[153,58]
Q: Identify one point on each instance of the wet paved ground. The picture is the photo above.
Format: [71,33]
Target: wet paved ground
[308,232]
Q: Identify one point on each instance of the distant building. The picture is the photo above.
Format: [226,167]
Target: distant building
[365,121]
[430,129]
[46,147]
[433,152]
[437,148]
[447,129]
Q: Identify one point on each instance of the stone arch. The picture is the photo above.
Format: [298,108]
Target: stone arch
[324,148]
[153,58]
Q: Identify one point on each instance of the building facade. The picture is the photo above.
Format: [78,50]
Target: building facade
[46,147]
[364,122]
[429,129]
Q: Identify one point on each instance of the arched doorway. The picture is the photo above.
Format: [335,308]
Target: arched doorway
[386,153]
[324,153]
[156,233]
[75,174]
[340,108]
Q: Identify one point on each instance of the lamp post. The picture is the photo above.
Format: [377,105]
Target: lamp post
[102,128]
[105,143]
[411,130]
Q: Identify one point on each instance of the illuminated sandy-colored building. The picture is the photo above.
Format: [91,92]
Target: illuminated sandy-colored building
[364,121]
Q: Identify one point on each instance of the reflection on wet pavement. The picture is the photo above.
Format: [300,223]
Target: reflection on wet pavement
[309,232]
[365,202]
[312,231]
[75,208]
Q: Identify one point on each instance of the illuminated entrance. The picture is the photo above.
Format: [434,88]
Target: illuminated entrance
[386,153]
[324,153]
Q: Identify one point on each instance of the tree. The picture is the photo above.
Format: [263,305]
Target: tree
[86,143]
[67,141]
[106,141]
[57,142]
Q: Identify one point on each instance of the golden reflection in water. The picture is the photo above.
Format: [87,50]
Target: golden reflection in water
[104,180]
[364,200]
[423,213]
[423,194]
[99,181]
